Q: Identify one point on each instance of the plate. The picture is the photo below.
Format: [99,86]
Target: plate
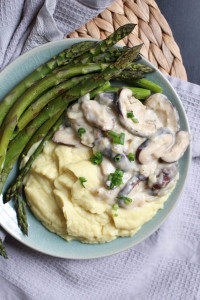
[39,237]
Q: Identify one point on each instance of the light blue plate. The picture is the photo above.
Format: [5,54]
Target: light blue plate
[40,238]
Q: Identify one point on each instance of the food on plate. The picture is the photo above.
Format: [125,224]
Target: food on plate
[110,169]
[33,111]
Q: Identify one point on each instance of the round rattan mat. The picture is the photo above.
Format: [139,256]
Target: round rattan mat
[153,31]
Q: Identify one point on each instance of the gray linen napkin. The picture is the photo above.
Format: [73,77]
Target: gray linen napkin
[165,266]
[25,24]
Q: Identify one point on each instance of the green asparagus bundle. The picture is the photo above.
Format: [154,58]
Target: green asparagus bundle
[11,120]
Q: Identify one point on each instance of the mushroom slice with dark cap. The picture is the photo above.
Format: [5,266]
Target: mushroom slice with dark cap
[164,110]
[163,178]
[177,150]
[66,136]
[155,147]
[106,98]
[128,188]
[98,115]
[126,104]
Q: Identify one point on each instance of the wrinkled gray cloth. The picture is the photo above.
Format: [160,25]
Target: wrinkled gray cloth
[25,24]
[166,265]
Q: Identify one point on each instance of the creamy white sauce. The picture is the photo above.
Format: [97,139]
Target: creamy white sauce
[99,116]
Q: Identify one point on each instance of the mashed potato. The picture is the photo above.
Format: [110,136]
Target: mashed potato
[57,198]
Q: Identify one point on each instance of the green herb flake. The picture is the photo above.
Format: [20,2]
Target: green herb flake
[126,200]
[135,120]
[118,138]
[115,178]
[97,158]
[81,131]
[121,138]
[130,115]
[112,133]
[117,158]
[131,156]
[82,180]
[115,215]
[115,206]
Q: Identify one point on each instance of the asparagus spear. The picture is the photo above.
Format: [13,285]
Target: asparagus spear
[129,75]
[147,84]
[3,250]
[20,206]
[17,145]
[42,101]
[102,46]
[140,68]
[31,94]
[68,54]
[137,92]
[102,88]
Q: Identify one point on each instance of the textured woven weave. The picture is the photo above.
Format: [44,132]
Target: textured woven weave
[152,30]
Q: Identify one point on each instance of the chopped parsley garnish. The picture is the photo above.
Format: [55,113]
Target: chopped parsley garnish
[82,180]
[81,131]
[117,158]
[131,156]
[135,120]
[131,116]
[115,178]
[126,200]
[115,215]
[115,206]
[118,138]
[97,158]
[112,133]
[121,138]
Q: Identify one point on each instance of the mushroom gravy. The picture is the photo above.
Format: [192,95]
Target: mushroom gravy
[139,143]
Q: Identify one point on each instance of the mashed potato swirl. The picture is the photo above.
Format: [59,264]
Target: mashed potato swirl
[59,201]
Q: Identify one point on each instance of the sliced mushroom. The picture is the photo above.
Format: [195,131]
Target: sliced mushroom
[120,160]
[163,178]
[103,145]
[66,136]
[128,188]
[77,120]
[98,115]
[126,104]
[176,152]
[106,98]
[164,110]
[155,147]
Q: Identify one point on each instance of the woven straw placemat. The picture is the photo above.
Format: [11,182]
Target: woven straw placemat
[153,31]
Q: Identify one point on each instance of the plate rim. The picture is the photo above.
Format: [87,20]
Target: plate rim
[126,247]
